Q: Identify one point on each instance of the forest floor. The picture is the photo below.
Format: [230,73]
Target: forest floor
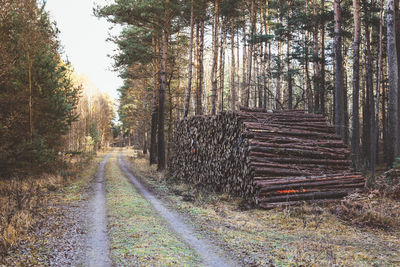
[121,212]
[59,236]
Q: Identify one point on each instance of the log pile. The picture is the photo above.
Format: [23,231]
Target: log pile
[268,157]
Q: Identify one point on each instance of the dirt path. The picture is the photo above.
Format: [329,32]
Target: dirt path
[98,253]
[211,255]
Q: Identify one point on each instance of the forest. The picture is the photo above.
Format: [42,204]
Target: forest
[47,111]
[245,133]
[336,58]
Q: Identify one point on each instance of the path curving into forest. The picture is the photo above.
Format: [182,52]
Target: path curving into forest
[98,252]
[210,254]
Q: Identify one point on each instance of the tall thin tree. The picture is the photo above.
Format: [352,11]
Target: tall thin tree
[190,66]
[355,141]
[393,119]
[339,79]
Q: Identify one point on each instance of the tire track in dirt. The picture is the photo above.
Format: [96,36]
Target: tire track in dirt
[98,252]
[211,255]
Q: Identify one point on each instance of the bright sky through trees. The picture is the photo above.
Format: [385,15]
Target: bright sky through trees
[83,37]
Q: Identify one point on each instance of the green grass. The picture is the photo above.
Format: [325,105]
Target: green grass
[299,236]
[139,237]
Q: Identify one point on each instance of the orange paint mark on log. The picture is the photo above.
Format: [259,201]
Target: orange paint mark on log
[290,191]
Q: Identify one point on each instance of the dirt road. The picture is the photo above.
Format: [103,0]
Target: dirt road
[210,254]
[97,241]
[100,223]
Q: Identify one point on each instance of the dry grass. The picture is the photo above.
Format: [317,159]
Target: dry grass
[360,231]
[370,210]
[19,200]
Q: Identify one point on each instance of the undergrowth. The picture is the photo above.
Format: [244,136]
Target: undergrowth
[19,200]
[22,197]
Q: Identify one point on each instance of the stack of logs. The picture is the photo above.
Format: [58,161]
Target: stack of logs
[269,157]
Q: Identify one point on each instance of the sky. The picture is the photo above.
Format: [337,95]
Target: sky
[83,37]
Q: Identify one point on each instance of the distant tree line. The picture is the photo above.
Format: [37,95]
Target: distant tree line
[339,58]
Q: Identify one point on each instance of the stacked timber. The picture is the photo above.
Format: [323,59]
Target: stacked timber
[268,157]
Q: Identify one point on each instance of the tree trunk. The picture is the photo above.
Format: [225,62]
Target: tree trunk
[339,80]
[384,117]
[233,67]
[393,118]
[370,92]
[374,133]
[164,58]
[251,47]
[322,81]
[190,67]
[397,31]
[222,67]
[310,102]
[238,94]
[169,137]
[317,88]
[289,77]
[200,67]
[355,141]
[244,64]
[266,56]
[278,79]
[196,66]
[154,113]
[214,80]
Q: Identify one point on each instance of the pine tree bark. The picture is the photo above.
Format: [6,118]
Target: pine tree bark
[196,64]
[339,79]
[265,69]
[154,113]
[244,65]
[238,91]
[374,136]
[322,75]
[397,30]
[370,110]
[278,78]
[190,66]
[317,77]
[250,57]
[393,97]
[355,141]
[214,80]
[222,67]
[289,77]
[233,66]
[200,67]
[310,101]
[163,82]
